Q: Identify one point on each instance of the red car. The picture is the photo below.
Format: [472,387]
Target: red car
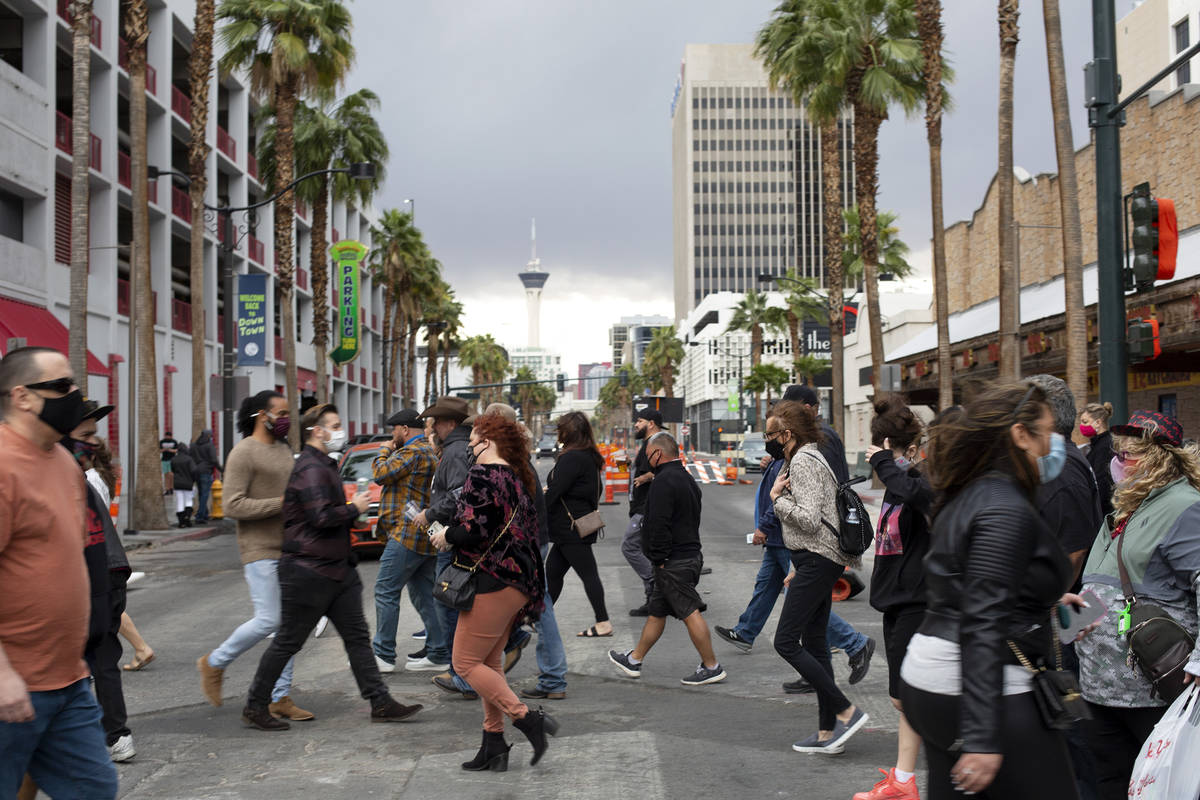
[355,464]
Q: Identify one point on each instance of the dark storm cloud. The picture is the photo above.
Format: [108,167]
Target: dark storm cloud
[500,111]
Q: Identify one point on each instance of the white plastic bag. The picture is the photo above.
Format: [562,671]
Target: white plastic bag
[1166,768]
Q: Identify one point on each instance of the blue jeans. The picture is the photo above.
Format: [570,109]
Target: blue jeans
[262,577]
[62,749]
[204,484]
[551,655]
[400,567]
[449,619]
[776,563]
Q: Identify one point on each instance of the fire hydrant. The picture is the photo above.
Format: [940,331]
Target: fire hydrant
[217,488]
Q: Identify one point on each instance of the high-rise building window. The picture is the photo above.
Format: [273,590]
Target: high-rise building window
[1182,41]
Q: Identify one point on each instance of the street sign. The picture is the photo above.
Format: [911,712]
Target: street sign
[216,393]
[815,340]
[685,430]
[347,254]
[251,320]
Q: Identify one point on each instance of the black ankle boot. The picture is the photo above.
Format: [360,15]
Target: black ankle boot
[179,520]
[537,725]
[492,755]
[187,517]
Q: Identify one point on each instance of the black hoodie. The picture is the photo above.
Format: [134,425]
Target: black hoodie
[902,539]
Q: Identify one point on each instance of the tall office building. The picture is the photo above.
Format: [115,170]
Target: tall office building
[746,177]
[629,337]
[533,279]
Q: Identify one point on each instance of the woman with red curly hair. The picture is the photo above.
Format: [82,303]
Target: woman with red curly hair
[498,529]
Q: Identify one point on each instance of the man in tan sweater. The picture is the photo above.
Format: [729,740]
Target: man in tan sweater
[256,475]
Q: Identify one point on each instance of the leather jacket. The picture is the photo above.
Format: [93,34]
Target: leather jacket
[993,573]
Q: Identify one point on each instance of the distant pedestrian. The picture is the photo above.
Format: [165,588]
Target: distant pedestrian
[671,542]
[898,578]
[256,476]
[49,719]
[451,435]
[108,568]
[183,470]
[573,491]
[204,454]
[404,468]
[647,424]
[168,446]
[804,497]
[496,530]
[317,576]
[1093,425]
[840,635]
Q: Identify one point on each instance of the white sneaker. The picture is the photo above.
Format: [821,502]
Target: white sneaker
[134,577]
[384,666]
[122,750]
[425,665]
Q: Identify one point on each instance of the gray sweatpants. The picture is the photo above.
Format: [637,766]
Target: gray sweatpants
[631,548]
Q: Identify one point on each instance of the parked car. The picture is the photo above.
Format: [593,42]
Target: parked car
[754,447]
[548,446]
[355,464]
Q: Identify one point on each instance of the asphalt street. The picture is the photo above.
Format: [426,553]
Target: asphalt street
[647,739]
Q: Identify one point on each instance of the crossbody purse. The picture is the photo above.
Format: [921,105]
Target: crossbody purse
[1055,691]
[589,523]
[455,585]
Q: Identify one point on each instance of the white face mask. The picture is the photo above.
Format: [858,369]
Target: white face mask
[337,440]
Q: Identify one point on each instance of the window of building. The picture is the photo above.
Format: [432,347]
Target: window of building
[1183,40]
[695,124]
[12,216]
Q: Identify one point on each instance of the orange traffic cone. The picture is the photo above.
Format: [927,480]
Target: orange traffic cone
[608,489]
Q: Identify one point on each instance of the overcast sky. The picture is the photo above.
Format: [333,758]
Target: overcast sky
[497,111]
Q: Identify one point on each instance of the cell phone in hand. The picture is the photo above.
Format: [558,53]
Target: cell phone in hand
[750,538]
[436,528]
[1076,619]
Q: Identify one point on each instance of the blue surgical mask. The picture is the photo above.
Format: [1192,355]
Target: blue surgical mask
[1050,466]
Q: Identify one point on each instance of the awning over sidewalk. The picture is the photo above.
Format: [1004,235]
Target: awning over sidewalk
[39,328]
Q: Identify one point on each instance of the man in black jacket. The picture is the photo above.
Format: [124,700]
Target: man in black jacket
[647,426]
[205,456]
[449,416]
[317,576]
[671,542]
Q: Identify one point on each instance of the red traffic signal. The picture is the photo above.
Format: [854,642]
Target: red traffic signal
[1142,340]
[1168,239]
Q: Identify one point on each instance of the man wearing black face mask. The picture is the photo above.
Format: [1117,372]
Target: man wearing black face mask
[49,719]
[647,425]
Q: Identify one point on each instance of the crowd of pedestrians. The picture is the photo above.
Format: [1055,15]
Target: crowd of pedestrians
[993,531]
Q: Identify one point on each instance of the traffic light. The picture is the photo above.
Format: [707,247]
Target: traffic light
[1142,338]
[1155,235]
[562,382]
[624,379]
[512,388]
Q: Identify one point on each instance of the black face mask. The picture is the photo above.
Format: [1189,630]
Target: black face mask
[62,413]
[775,449]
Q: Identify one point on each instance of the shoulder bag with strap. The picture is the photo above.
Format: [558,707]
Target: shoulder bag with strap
[455,586]
[1055,691]
[854,533]
[590,522]
[1158,645]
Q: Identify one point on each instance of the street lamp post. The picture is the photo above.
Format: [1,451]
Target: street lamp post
[412,205]
[357,171]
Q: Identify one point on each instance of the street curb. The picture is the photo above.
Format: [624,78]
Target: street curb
[190,536]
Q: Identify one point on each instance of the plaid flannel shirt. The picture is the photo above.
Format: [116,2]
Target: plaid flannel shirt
[405,474]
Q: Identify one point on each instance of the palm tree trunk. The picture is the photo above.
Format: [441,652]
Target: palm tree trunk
[411,390]
[794,333]
[929,25]
[318,256]
[148,510]
[285,220]
[397,337]
[81,146]
[866,181]
[756,345]
[446,347]
[199,70]
[831,223]
[1068,199]
[1010,288]
[385,347]
[431,343]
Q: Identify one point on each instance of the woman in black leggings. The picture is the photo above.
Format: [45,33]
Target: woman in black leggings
[573,491]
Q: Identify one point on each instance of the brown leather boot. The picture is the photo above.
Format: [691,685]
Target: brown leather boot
[287,709]
[211,679]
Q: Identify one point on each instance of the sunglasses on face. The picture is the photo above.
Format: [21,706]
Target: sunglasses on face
[60,385]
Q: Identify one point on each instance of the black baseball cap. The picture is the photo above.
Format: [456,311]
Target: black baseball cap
[651,414]
[408,417]
[801,394]
[93,410]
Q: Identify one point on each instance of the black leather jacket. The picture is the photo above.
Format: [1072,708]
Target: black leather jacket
[993,573]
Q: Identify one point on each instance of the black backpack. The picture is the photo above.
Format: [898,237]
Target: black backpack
[854,532]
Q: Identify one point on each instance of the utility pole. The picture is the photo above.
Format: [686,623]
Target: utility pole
[1102,88]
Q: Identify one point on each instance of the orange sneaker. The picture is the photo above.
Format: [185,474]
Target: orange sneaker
[891,789]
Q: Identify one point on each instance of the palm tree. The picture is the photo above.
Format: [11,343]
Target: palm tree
[433,317]
[808,368]
[398,248]
[148,511]
[327,135]
[200,64]
[754,315]
[487,362]
[453,318]
[1010,324]
[662,357]
[290,48]
[929,28]
[793,52]
[1068,199]
[81,61]
[426,278]
[893,253]
[768,379]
